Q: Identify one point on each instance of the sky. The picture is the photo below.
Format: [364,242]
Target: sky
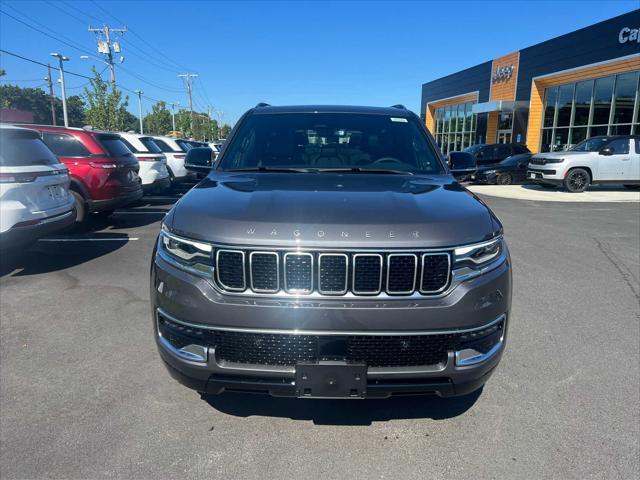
[354,53]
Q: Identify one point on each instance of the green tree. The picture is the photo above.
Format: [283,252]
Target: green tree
[106,108]
[158,121]
[225,131]
[29,99]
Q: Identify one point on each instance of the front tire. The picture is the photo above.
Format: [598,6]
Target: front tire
[577,180]
[504,179]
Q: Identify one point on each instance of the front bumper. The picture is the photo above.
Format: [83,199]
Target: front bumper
[192,302]
[552,174]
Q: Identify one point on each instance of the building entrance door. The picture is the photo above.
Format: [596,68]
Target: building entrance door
[504,136]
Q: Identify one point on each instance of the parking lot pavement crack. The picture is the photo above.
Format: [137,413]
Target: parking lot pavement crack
[626,273]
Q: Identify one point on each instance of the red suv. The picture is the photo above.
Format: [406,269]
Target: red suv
[103,171]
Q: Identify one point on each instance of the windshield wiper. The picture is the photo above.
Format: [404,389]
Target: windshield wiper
[272,169]
[364,170]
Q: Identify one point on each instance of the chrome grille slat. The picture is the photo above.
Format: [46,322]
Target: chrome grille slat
[367,273]
[264,271]
[435,272]
[298,272]
[402,269]
[333,271]
[324,273]
[230,269]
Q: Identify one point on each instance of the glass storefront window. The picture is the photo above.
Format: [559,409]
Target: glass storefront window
[565,103]
[576,111]
[584,91]
[625,97]
[550,106]
[456,131]
[602,100]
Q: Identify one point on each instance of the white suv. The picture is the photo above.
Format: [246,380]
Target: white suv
[34,189]
[175,151]
[153,163]
[606,159]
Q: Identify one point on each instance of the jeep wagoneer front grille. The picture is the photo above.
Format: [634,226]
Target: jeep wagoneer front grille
[332,273]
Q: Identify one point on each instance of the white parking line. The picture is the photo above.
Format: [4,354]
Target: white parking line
[119,239]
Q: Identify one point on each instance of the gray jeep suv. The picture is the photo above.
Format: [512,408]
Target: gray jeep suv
[330,254]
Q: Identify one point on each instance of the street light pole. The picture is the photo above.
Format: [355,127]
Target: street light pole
[61,58]
[173,114]
[139,93]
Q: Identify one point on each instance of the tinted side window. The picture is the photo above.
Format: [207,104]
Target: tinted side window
[520,149]
[162,145]
[114,145]
[128,144]
[486,153]
[502,152]
[184,145]
[23,148]
[65,145]
[150,144]
[619,146]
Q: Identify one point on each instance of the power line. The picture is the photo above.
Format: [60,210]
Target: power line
[122,87]
[46,34]
[144,80]
[153,47]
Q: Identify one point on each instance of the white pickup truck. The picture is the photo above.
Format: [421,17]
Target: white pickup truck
[597,160]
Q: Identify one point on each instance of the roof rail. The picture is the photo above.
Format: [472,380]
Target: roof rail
[399,106]
[262,104]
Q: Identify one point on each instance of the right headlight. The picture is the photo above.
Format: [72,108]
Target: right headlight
[186,254]
[479,255]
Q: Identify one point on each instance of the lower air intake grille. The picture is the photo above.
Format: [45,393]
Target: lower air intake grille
[288,350]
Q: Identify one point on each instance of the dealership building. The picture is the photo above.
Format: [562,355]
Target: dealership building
[547,96]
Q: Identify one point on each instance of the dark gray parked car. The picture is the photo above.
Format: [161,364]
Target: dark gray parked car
[329,253]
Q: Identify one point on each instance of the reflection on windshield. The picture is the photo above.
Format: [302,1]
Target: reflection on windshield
[348,141]
[591,145]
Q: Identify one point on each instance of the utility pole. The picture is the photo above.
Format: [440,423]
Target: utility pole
[139,93]
[188,76]
[52,99]
[61,58]
[173,114]
[107,48]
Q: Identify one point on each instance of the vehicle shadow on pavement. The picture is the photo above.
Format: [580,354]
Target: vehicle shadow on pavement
[45,257]
[343,412]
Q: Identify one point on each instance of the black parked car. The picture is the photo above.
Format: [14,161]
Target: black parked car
[495,152]
[511,170]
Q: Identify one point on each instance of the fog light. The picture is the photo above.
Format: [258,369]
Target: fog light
[480,345]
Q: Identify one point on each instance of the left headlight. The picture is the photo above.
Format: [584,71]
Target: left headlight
[479,255]
[190,255]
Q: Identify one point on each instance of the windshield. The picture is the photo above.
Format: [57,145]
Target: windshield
[331,141]
[594,144]
[473,148]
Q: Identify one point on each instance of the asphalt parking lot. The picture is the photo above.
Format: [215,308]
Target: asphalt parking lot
[84,394]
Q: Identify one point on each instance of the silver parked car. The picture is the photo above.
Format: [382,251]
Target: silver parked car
[605,159]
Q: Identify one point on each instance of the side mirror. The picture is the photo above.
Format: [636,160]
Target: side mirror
[606,151]
[462,165]
[199,160]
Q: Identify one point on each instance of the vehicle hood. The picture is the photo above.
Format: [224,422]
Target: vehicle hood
[336,210]
[563,154]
